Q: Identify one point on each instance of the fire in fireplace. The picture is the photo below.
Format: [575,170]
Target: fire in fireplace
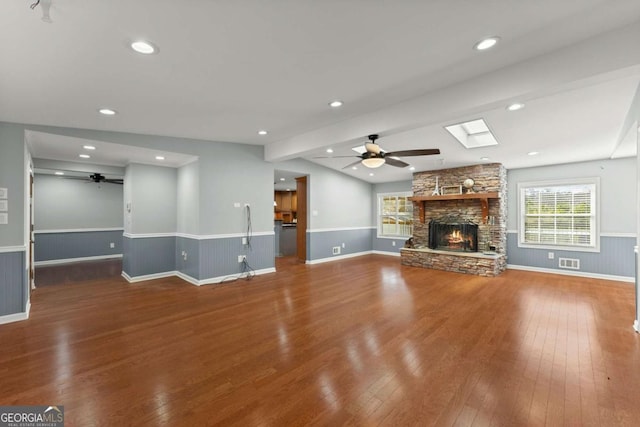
[448,236]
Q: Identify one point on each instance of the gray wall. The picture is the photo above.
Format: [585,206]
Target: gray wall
[12,283]
[229,174]
[188,199]
[68,204]
[73,245]
[12,177]
[320,245]
[618,201]
[617,190]
[13,268]
[153,198]
[145,256]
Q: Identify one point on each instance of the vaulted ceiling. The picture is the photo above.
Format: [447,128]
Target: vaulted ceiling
[404,69]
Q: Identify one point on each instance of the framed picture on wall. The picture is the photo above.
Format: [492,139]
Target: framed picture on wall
[450,189]
[4,205]
[3,193]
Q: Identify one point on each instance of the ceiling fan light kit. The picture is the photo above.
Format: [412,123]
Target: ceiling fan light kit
[373,162]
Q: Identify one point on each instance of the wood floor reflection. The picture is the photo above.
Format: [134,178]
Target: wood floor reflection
[362,341]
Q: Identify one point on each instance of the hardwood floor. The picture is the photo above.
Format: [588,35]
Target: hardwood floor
[362,341]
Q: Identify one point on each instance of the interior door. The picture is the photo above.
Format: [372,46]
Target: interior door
[301,228]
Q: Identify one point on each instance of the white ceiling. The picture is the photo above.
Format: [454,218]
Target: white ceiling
[404,69]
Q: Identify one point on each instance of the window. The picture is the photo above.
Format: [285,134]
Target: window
[395,215]
[559,215]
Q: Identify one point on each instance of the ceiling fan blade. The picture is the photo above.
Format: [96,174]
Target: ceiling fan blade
[114,181]
[408,153]
[80,178]
[332,157]
[395,162]
[352,164]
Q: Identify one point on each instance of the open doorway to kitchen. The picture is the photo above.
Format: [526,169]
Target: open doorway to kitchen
[289,215]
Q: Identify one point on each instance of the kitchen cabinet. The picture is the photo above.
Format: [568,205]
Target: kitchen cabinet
[286,205]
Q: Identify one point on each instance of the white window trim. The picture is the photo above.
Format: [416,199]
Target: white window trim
[569,181]
[379,196]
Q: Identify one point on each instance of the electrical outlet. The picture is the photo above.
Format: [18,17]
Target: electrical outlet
[336,250]
[551,255]
[236,205]
[244,240]
[242,258]
[112,245]
[393,243]
[184,255]
[343,246]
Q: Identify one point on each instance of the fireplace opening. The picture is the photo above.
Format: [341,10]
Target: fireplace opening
[451,236]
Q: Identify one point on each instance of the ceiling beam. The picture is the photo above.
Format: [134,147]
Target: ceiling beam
[608,56]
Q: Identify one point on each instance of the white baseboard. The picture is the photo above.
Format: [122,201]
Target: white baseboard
[192,280]
[187,278]
[72,260]
[17,317]
[572,273]
[338,257]
[386,253]
[230,277]
[136,279]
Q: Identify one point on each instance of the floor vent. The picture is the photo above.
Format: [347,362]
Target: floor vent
[572,263]
[336,250]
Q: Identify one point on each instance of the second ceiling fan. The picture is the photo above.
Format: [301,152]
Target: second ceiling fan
[374,156]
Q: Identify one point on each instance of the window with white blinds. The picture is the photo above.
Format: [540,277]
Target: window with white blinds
[559,215]
[395,215]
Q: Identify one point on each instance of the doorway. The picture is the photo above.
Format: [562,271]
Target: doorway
[290,215]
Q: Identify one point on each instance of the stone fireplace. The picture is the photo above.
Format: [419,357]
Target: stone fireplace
[460,231]
[453,236]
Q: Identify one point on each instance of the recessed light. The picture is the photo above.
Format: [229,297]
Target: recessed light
[515,106]
[335,104]
[107,111]
[484,158]
[159,157]
[281,179]
[85,156]
[355,168]
[262,132]
[532,153]
[88,147]
[143,47]
[371,174]
[412,168]
[59,173]
[329,150]
[486,43]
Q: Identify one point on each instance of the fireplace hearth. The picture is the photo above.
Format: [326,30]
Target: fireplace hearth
[453,236]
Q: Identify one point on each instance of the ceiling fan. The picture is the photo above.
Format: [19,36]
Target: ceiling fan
[374,156]
[98,178]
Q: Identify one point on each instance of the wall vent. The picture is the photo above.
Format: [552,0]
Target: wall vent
[336,250]
[571,263]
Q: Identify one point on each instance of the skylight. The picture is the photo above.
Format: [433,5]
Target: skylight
[472,134]
[360,149]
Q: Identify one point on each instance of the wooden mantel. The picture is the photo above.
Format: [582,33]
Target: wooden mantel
[482,197]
